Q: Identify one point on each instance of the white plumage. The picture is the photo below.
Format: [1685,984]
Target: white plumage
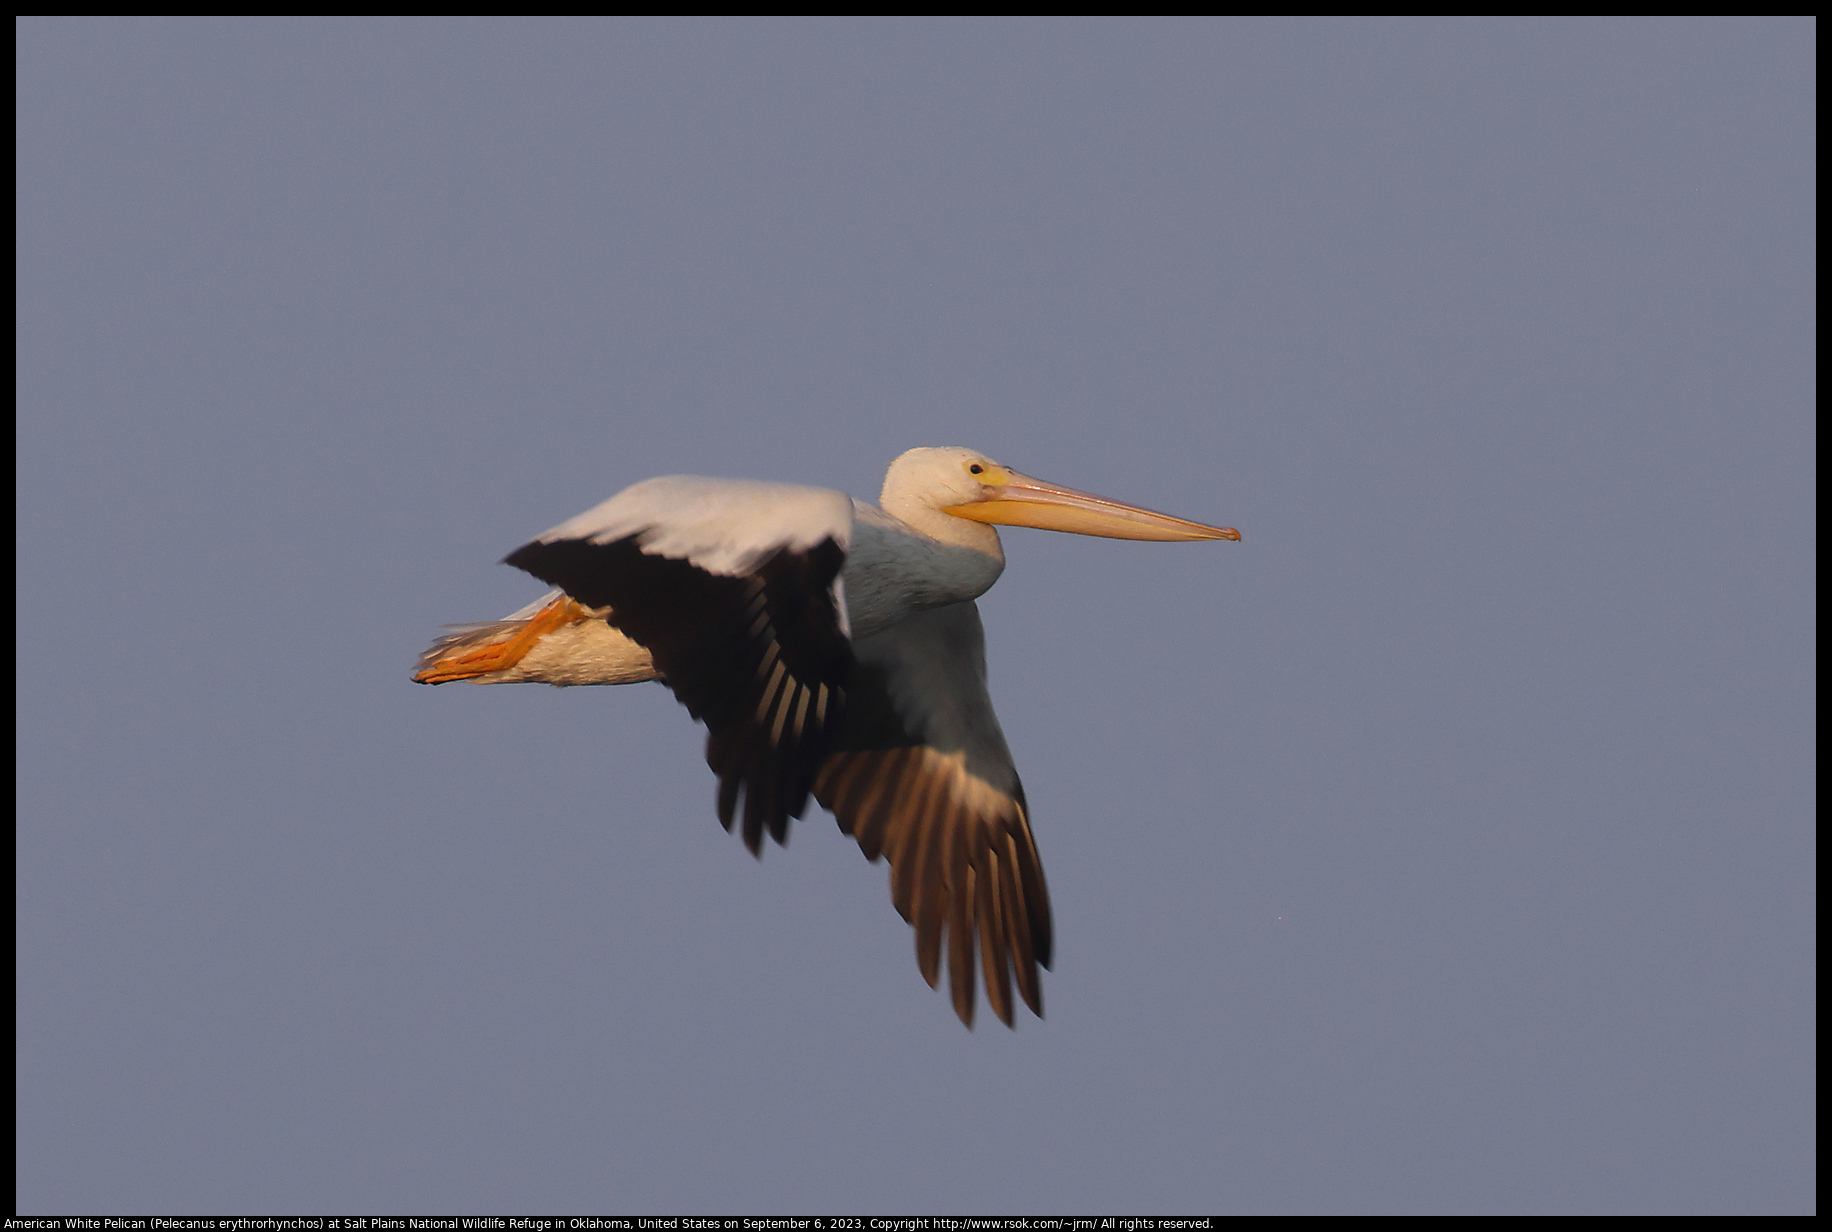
[722,525]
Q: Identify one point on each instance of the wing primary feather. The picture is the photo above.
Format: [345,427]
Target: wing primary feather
[803,698]
[1033,891]
[772,687]
[960,949]
[907,840]
[753,822]
[728,799]
[785,705]
[993,940]
[1017,920]
[877,782]
[928,878]
[928,874]
[946,858]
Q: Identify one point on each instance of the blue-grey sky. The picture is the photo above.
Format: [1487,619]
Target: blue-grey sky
[1444,846]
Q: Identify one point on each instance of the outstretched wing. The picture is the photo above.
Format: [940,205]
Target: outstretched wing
[921,774]
[733,587]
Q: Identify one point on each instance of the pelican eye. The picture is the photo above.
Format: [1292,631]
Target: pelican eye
[976,469]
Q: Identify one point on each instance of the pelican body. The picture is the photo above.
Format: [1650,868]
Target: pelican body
[832,649]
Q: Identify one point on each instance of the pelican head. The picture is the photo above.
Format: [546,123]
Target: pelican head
[964,483]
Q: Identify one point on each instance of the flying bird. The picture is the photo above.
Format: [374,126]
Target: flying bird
[833,649]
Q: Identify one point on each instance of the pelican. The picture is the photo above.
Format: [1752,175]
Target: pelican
[831,648]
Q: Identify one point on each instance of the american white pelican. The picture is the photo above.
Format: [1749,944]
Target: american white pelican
[830,648]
